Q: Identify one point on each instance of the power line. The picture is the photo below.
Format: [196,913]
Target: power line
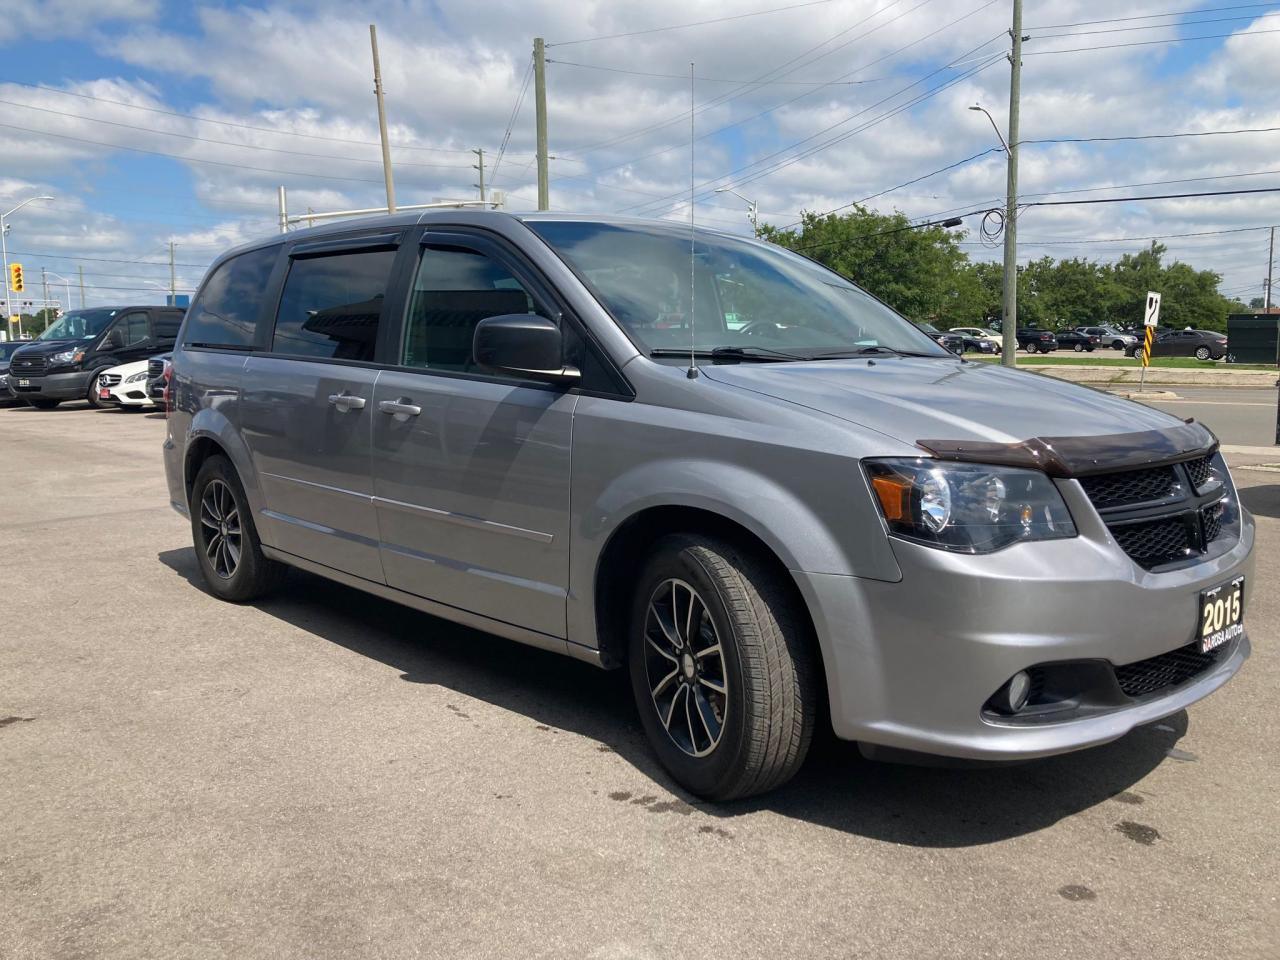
[1153,136]
[178,156]
[67,256]
[1157,196]
[225,143]
[227,123]
[1162,236]
[685,77]
[685,26]
[515,113]
[934,173]
[783,69]
[1146,43]
[1153,26]
[782,164]
[1150,16]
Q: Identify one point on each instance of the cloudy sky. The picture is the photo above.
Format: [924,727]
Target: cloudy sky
[152,122]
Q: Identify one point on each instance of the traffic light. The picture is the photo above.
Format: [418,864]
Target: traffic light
[15,278]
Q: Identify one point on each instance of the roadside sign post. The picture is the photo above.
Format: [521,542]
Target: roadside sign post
[1150,321]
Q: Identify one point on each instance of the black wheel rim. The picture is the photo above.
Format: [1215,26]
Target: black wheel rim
[220,526]
[685,668]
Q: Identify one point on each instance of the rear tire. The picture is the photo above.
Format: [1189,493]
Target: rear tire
[226,542]
[1204,353]
[718,627]
[42,404]
[1079,348]
[1031,348]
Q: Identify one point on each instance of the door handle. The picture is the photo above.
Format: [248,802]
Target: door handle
[401,409]
[345,402]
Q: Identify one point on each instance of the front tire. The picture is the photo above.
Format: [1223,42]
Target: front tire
[227,546]
[91,395]
[721,669]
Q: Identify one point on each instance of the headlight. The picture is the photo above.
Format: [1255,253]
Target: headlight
[66,357]
[969,508]
[137,377]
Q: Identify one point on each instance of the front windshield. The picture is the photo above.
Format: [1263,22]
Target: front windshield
[78,325]
[746,294]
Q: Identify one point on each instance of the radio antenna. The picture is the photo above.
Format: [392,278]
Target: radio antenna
[692,372]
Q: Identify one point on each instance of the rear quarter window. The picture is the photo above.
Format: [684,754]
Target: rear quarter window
[227,310]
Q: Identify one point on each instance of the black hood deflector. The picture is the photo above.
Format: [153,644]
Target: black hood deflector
[1065,457]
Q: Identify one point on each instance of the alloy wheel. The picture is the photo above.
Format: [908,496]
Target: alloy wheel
[220,523]
[685,668]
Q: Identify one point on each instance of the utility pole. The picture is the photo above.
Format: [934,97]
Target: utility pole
[1271,253]
[173,278]
[479,152]
[44,289]
[283,200]
[1009,356]
[540,102]
[382,121]
[80,270]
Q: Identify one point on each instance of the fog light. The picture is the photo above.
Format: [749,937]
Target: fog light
[1012,697]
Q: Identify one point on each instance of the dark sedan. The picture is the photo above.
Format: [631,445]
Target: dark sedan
[1201,344]
[1035,340]
[948,341]
[1077,341]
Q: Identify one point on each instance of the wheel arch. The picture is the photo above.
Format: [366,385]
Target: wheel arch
[631,543]
[212,434]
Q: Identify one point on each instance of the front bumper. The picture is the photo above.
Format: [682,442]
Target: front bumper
[72,385]
[911,664]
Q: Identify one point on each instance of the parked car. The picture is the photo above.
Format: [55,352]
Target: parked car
[947,340]
[1079,342]
[63,363]
[1035,340]
[980,334]
[157,377]
[1111,337]
[788,507]
[1201,344]
[7,349]
[125,386]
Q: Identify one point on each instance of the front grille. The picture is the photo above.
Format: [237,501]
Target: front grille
[1199,471]
[1133,486]
[1160,515]
[28,365]
[1155,542]
[155,367]
[108,379]
[1171,669]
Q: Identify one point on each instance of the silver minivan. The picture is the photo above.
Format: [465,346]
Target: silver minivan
[715,464]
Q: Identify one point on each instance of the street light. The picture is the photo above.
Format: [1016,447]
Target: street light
[981,109]
[4,254]
[753,212]
[65,282]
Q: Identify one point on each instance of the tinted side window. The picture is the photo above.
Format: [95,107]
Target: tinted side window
[134,328]
[331,305]
[455,289]
[226,312]
[166,325]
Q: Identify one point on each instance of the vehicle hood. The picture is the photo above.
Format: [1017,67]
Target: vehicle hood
[128,369]
[48,346]
[914,399]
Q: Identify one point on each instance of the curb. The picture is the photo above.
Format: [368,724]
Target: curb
[1145,394]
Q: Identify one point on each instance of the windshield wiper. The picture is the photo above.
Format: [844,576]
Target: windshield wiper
[864,351]
[757,354]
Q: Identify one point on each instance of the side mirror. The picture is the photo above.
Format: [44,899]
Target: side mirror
[522,344]
[112,341]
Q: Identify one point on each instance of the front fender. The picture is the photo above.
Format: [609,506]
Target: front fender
[790,525]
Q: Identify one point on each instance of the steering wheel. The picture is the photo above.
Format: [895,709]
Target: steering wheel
[755,327]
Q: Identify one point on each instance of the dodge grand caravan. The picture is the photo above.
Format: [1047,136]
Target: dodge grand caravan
[63,363]
[712,463]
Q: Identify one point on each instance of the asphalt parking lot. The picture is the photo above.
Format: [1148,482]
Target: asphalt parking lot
[325,774]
